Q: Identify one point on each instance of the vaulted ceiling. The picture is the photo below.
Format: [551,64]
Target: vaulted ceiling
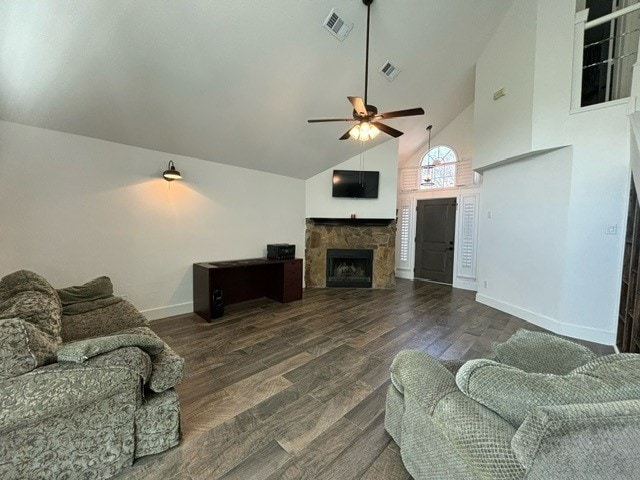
[234,81]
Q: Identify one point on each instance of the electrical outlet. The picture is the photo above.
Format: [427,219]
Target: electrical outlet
[612,230]
[486,284]
[125,296]
[489,214]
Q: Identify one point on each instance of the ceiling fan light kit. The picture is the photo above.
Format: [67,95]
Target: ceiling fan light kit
[367,116]
[364,131]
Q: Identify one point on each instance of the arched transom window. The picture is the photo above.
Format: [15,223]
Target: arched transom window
[438,168]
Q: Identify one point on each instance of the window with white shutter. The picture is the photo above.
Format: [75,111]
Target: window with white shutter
[468,228]
[465,176]
[404,229]
[408,179]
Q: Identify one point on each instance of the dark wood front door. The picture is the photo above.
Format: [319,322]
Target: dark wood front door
[435,234]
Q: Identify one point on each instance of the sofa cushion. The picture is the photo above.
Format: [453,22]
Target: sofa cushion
[82,350]
[85,307]
[35,307]
[96,289]
[101,322]
[539,352]
[512,393]
[23,347]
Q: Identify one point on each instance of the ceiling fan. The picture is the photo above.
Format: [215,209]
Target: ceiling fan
[367,116]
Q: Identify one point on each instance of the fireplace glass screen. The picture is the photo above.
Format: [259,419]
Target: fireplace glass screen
[349,268]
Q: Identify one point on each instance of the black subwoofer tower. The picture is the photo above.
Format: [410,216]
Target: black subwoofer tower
[218,303]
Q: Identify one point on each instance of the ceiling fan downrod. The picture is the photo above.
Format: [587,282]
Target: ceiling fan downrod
[366,61]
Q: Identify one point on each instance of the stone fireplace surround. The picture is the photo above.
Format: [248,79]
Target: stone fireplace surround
[322,234]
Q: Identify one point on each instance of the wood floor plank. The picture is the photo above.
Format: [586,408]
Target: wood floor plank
[259,465]
[387,465]
[370,408]
[301,434]
[307,463]
[357,458]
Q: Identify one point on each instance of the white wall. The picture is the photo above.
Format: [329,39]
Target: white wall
[383,158]
[524,230]
[503,128]
[585,303]
[73,208]
[459,135]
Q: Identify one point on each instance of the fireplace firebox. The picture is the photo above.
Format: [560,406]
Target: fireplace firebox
[349,268]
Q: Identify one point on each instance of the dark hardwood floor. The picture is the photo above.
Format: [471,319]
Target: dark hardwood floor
[297,391]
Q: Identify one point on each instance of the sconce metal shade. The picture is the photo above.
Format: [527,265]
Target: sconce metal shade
[171,173]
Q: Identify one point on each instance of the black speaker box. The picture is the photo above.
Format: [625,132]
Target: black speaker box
[218,304]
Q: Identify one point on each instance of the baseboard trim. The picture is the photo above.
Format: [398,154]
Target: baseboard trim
[406,274]
[168,311]
[465,285]
[589,334]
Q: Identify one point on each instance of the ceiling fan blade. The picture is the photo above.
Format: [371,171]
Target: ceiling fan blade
[401,113]
[358,105]
[388,130]
[320,120]
[346,135]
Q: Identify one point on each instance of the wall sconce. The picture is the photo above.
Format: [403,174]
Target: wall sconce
[171,173]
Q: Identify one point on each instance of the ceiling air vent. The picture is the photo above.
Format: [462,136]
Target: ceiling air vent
[337,25]
[389,71]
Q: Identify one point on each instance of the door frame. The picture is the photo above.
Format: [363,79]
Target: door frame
[455,239]
[412,198]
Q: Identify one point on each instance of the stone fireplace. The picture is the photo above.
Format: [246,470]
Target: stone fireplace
[337,253]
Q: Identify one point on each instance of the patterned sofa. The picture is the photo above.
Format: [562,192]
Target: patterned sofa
[543,408]
[85,386]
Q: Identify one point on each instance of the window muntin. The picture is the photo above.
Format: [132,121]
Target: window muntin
[438,168]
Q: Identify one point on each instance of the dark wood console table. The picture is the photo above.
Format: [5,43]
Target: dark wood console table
[242,280]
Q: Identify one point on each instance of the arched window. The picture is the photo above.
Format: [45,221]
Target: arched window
[438,168]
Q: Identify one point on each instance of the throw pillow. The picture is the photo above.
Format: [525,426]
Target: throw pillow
[538,352]
[93,290]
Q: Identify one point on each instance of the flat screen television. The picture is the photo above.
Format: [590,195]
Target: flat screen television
[355,184]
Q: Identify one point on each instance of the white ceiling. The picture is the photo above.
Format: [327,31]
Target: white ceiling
[234,81]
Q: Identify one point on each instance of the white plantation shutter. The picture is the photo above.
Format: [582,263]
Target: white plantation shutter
[464,173]
[408,179]
[468,232]
[404,230]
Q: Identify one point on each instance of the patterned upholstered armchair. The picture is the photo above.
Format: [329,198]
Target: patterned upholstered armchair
[543,408]
[85,386]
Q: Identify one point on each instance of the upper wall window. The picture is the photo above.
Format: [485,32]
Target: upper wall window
[610,49]
[438,168]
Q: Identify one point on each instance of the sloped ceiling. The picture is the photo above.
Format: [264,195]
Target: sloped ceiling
[234,81]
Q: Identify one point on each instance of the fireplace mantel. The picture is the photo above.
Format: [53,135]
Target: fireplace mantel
[356,222]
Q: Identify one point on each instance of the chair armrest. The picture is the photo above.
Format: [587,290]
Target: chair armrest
[59,388]
[596,440]
[424,377]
